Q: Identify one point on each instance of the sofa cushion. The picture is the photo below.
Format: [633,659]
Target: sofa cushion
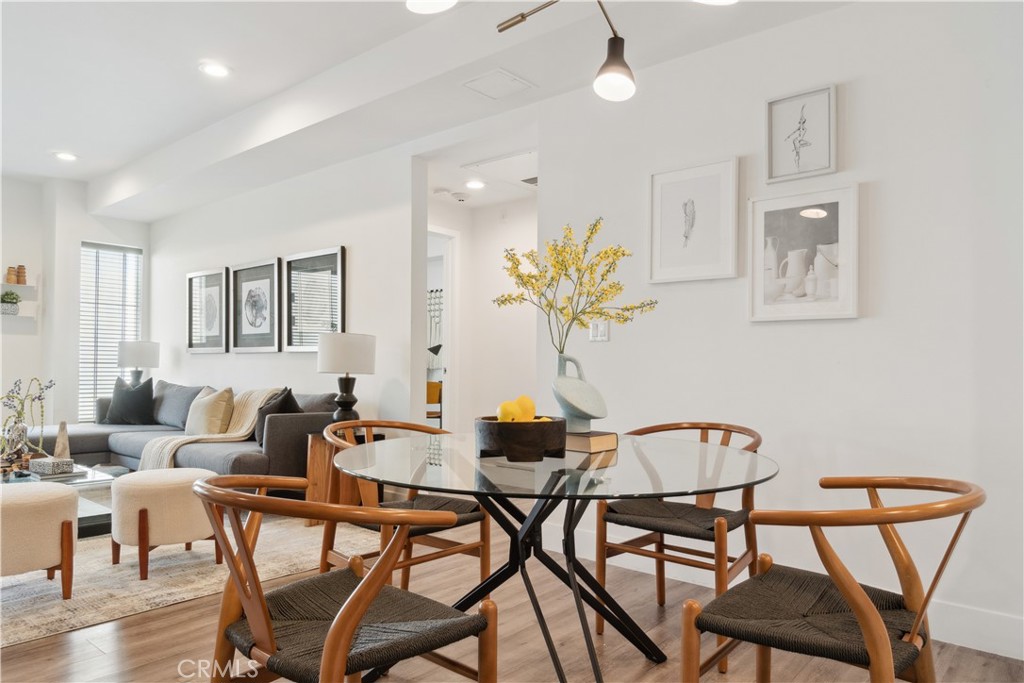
[93,438]
[317,403]
[132,443]
[210,414]
[171,403]
[238,457]
[283,402]
[131,405]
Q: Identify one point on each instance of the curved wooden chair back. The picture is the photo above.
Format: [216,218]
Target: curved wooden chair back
[724,434]
[237,539]
[967,497]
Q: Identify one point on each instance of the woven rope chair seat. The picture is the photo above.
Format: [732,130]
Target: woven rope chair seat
[466,511]
[398,625]
[800,611]
[678,519]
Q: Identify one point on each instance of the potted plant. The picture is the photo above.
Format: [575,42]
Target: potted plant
[9,303]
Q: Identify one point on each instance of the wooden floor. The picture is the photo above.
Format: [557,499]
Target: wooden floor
[175,643]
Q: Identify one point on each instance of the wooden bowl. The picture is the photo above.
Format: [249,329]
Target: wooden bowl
[520,441]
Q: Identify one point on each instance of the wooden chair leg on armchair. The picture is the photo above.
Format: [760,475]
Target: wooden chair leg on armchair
[601,557]
[691,643]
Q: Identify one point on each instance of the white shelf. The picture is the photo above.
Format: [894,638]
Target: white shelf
[28,308]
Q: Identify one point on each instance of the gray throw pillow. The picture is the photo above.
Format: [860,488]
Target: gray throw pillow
[317,403]
[171,403]
[282,402]
[131,405]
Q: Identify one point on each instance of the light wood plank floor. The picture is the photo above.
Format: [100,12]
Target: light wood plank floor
[170,644]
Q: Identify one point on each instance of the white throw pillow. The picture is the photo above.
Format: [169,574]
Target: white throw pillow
[210,413]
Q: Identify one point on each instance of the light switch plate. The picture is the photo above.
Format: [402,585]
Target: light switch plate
[599,331]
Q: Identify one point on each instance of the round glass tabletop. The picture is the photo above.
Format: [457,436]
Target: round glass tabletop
[642,466]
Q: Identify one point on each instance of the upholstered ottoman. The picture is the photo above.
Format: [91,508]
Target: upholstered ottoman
[39,527]
[157,507]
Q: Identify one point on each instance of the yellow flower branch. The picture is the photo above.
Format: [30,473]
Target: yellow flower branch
[592,290]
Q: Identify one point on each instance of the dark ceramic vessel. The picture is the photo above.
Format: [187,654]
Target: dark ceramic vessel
[520,441]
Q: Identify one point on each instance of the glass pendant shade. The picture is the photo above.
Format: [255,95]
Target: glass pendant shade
[429,6]
[614,81]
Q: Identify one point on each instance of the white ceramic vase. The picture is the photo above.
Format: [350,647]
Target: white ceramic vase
[580,401]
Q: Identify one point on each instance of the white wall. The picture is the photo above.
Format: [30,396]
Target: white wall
[44,227]
[22,244]
[363,206]
[928,380]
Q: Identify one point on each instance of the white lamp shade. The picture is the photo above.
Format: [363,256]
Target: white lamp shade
[339,352]
[138,354]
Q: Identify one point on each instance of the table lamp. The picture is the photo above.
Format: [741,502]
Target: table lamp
[343,352]
[138,355]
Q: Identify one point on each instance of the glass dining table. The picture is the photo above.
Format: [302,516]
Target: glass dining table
[641,467]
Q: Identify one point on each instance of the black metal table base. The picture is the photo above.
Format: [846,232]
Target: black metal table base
[526,541]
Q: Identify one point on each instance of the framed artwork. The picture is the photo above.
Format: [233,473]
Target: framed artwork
[255,322]
[693,223]
[801,135]
[207,311]
[314,297]
[803,257]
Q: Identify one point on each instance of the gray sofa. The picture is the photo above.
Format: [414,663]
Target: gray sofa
[283,451]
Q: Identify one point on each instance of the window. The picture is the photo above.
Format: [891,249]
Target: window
[110,311]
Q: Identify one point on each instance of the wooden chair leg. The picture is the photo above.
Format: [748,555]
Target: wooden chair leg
[143,544]
[659,569]
[354,678]
[188,547]
[924,665]
[115,552]
[721,575]
[487,657]
[485,547]
[50,573]
[690,669]
[601,557]
[67,557]
[406,557]
[327,545]
[763,664]
[218,554]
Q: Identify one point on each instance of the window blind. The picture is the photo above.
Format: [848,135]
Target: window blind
[110,311]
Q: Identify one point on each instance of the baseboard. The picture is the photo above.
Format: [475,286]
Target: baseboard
[979,629]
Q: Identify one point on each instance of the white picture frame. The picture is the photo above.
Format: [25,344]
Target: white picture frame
[800,135]
[790,243]
[692,232]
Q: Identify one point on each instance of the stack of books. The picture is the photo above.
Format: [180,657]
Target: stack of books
[601,447]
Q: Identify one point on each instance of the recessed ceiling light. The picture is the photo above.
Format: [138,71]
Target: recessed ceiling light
[214,69]
[475,184]
[717,2]
[429,6]
[814,212]
[65,156]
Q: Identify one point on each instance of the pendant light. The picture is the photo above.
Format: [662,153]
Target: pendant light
[614,81]
[429,6]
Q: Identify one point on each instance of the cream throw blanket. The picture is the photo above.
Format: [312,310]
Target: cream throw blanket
[159,453]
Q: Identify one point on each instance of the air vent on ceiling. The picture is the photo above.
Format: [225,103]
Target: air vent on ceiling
[497,84]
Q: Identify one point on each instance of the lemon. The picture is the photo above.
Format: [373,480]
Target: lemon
[509,411]
[543,419]
[526,407]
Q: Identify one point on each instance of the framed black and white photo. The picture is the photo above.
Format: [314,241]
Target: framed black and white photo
[207,296]
[803,257]
[255,322]
[801,135]
[693,223]
[314,297]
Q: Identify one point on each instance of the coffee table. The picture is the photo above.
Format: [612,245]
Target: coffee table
[93,495]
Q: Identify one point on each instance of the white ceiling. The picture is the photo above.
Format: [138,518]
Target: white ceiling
[313,84]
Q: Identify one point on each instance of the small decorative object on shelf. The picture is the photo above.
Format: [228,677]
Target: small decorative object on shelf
[22,275]
[12,275]
[22,406]
[62,449]
[572,288]
[9,303]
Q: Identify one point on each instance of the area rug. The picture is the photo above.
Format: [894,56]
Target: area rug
[31,607]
